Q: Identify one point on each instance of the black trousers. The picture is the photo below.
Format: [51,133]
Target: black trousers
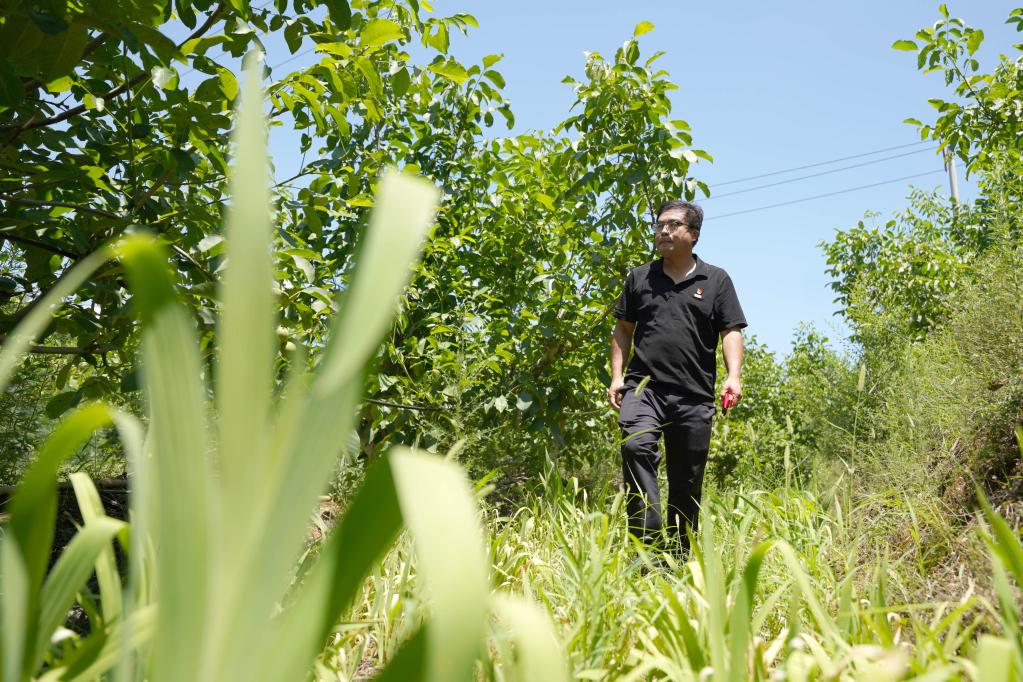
[686,425]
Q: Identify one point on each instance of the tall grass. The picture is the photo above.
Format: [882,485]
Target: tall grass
[787,584]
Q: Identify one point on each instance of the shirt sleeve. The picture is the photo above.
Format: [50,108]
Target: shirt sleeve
[727,311]
[625,306]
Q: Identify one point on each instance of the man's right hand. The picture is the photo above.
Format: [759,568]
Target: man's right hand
[614,393]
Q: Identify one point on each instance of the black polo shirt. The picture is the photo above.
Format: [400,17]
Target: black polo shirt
[678,325]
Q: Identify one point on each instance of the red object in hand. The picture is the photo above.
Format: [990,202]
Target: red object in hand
[728,401]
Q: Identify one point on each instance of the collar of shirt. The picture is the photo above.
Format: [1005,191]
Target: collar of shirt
[699,270]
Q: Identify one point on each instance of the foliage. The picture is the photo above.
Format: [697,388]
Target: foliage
[943,410]
[796,413]
[511,306]
[982,126]
[933,301]
[213,592]
[497,334]
[129,142]
[908,272]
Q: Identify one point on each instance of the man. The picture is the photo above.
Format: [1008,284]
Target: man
[671,313]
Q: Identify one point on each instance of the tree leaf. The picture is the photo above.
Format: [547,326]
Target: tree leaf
[495,77]
[401,81]
[12,92]
[61,403]
[974,40]
[905,45]
[450,69]
[380,31]
[524,401]
[164,78]
[340,14]
[641,28]
[60,54]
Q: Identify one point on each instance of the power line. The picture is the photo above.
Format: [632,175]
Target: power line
[814,175]
[820,163]
[296,56]
[821,196]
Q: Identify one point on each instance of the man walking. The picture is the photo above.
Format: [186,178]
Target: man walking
[671,313]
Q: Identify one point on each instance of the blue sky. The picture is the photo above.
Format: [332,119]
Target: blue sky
[765,87]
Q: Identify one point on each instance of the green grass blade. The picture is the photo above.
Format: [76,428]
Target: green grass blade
[14,609]
[438,507]
[246,337]
[107,575]
[409,663]
[742,612]
[26,548]
[171,374]
[994,660]
[363,535]
[1007,546]
[246,350]
[69,576]
[104,650]
[809,596]
[539,653]
[35,323]
[140,556]
[302,463]
[695,653]
[714,593]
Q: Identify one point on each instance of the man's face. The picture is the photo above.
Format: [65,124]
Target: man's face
[672,233]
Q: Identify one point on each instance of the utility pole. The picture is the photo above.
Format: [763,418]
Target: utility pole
[953,181]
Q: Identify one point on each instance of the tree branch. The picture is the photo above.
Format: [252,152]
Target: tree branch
[71,350]
[400,406]
[60,204]
[196,264]
[28,241]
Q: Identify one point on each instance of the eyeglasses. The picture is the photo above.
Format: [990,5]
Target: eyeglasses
[672,225]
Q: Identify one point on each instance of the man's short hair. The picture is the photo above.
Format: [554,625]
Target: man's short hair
[693,213]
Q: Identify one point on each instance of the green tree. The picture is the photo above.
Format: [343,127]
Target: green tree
[983,124]
[900,279]
[498,331]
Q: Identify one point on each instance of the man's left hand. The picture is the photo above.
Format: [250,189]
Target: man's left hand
[734,386]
